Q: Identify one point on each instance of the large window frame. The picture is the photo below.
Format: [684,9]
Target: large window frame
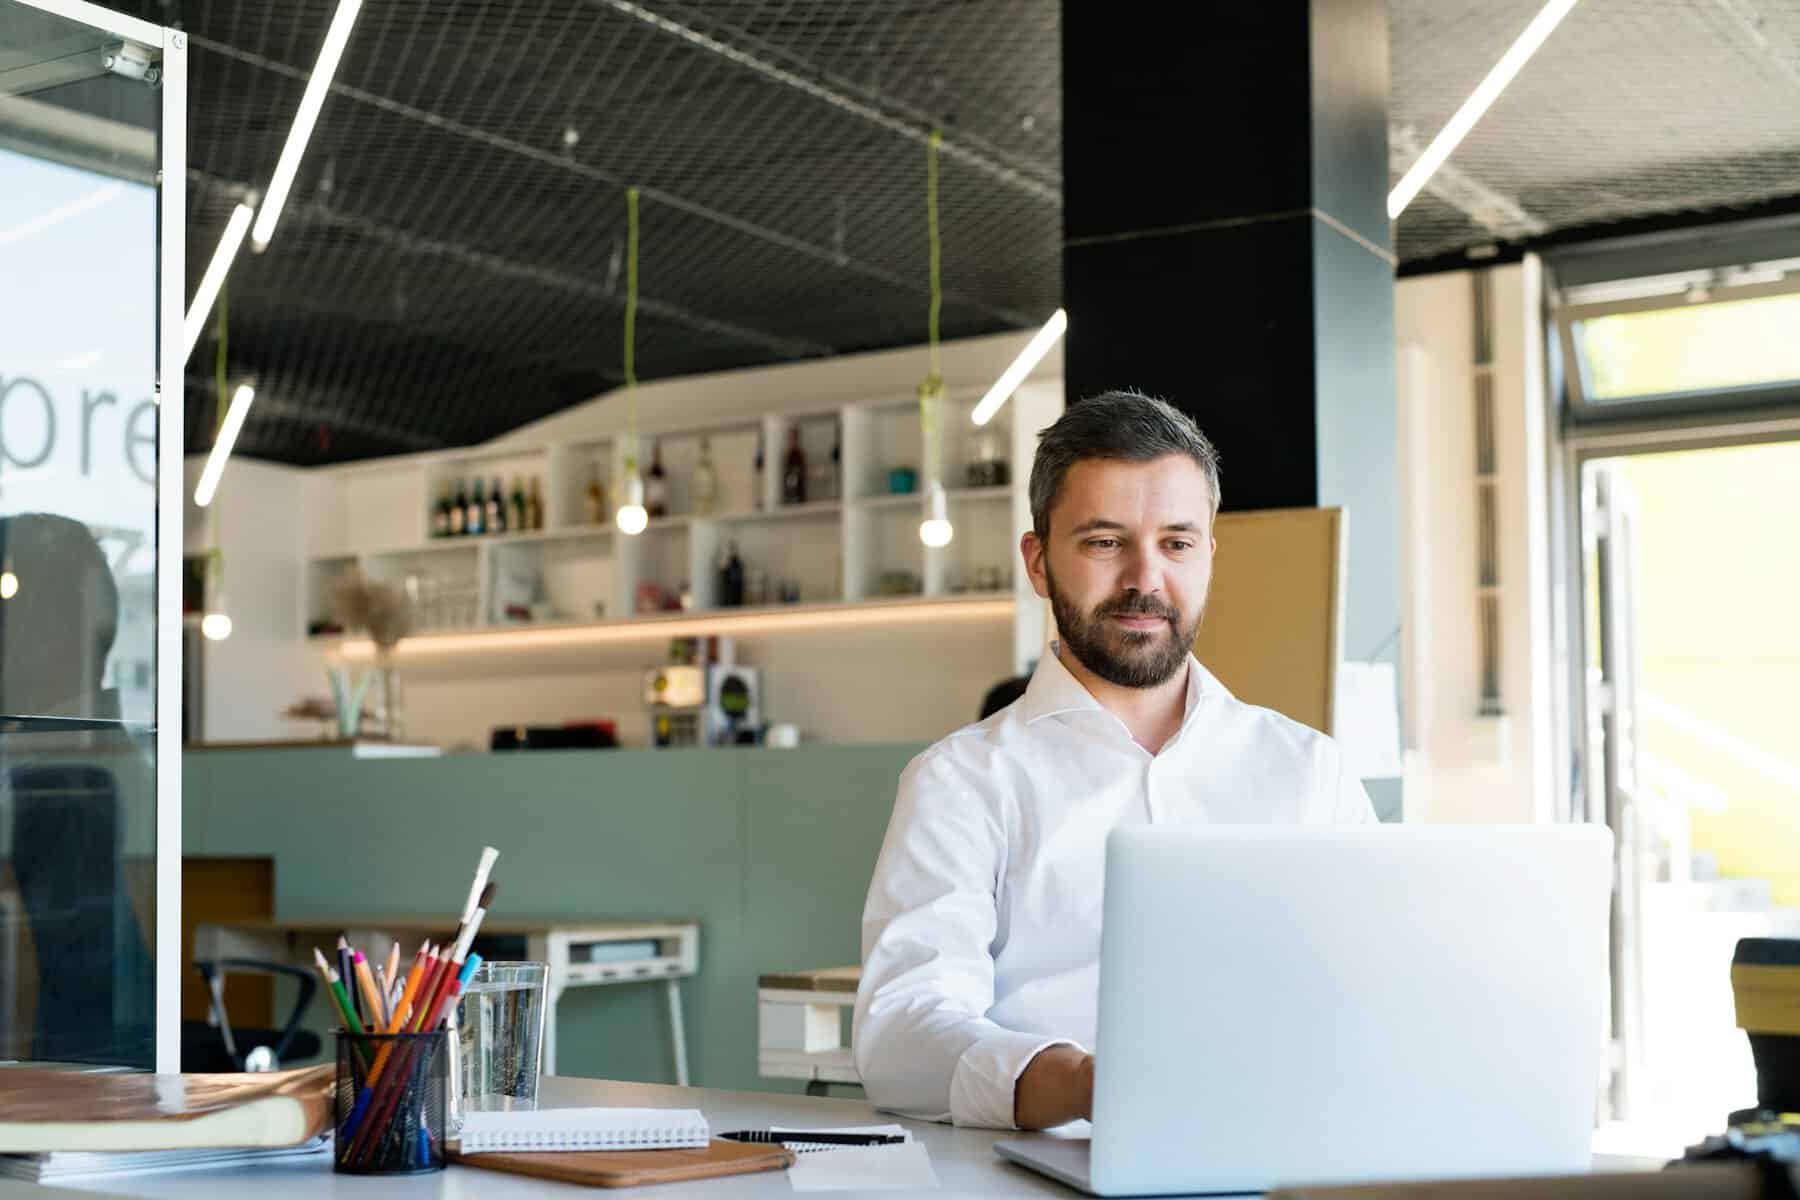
[171,188]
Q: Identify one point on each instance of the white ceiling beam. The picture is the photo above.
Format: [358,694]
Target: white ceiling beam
[1494,211]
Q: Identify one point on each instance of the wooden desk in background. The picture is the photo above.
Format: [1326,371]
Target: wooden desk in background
[579,953]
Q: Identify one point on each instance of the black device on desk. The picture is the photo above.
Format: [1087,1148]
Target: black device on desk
[596,736]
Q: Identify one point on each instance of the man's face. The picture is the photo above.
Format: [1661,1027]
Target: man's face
[1126,565]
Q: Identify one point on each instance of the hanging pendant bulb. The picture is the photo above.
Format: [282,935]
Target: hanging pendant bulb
[632,517]
[9,583]
[935,530]
[215,626]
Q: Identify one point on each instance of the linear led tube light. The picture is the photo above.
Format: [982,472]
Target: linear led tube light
[1484,95]
[214,279]
[336,37]
[1013,376]
[228,435]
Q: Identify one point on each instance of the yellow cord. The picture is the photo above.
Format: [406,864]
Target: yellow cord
[931,220]
[631,298]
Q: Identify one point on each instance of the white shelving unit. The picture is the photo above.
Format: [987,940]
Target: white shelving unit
[858,547]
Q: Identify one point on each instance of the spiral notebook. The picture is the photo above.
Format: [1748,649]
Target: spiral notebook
[552,1129]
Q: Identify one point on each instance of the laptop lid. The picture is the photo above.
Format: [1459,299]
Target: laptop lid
[1284,1006]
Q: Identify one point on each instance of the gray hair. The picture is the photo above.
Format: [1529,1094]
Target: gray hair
[1124,426]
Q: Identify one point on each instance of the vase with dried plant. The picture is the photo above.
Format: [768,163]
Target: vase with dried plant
[380,610]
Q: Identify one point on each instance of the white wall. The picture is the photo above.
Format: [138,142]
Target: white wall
[264,665]
[907,682]
[1464,767]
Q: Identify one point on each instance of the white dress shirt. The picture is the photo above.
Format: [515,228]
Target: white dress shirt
[981,935]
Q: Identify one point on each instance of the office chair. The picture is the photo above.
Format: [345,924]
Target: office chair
[248,1049]
[96,982]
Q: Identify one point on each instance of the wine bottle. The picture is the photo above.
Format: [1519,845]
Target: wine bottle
[496,508]
[475,522]
[534,506]
[518,510]
[706,480]
[756,476]
[656,485]
[731,582]
[793,470]
[440,512]
[593,501]
[459,511]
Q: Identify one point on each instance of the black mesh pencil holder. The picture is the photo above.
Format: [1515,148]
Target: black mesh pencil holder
[389,1109]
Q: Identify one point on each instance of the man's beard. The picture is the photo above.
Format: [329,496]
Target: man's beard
[1133,658]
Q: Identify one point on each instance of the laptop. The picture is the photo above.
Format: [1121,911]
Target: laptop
[1286,1006]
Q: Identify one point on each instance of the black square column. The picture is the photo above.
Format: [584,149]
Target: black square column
[1226,247]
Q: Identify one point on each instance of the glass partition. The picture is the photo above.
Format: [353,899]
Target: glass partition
[86,232]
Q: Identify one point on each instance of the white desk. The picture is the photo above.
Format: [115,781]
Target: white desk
[964,1159]
[574,950]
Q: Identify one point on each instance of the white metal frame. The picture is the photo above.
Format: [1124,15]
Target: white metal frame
[1582,405]
[171,284]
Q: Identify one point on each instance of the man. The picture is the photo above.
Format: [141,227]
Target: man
[981,936]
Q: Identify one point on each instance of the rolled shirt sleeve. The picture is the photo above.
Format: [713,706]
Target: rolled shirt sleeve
[923,1043]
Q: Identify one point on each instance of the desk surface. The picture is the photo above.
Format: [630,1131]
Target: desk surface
[428,923]
[964,1159]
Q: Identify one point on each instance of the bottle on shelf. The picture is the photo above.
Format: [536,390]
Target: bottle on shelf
[656,484]
[440,512]
[706,480]
[834,482]
[534,506]
[793,470]
[476,522]
[593,500]
[756,475]
[496,508]
[731,579]
[459,511]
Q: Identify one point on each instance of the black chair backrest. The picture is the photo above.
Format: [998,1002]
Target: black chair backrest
[95,999]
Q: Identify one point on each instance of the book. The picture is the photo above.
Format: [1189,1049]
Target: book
[47,1110]
[551,1129]
[63,1166]
[636,1168]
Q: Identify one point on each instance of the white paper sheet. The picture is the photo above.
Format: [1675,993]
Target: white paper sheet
[865,1169]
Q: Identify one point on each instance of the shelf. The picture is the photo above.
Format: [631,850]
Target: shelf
[891,501]
[448,545]
[765,619]
[786,512]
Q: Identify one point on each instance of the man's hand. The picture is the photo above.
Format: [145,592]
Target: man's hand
[1055,1088]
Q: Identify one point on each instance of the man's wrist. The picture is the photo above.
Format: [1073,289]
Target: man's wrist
[1056,1087]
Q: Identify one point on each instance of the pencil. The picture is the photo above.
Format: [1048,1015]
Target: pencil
[336,988]
[366,984]
[403,1009]
[393,972]
[345,973]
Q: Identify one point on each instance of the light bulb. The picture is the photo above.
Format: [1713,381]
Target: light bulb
[215,626]
[9,585]
[935,530]
[631,517]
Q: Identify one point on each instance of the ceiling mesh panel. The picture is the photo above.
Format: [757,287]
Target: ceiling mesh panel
[449,265]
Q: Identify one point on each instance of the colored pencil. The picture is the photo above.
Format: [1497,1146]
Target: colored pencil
[336,988]
[366,983]
[346,974]
[393,973]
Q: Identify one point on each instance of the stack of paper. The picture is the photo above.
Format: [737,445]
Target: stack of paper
[60,1166]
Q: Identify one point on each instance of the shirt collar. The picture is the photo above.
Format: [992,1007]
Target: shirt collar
[1053,691]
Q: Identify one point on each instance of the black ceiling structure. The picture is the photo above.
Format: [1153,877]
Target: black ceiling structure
[449,265]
